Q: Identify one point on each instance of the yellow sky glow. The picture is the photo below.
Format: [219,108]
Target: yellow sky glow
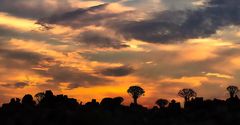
[17,23]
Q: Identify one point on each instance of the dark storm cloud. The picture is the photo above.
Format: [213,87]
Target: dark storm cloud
[16,85]
[73,76]
[117,71]
[199,23]
[164,27]
[33,8]
[100,39]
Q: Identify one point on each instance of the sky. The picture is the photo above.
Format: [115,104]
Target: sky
[94,49]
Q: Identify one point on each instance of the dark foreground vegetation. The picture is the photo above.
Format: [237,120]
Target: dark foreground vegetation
[50,109]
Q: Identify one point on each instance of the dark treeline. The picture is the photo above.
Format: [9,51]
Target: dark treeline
[50,109]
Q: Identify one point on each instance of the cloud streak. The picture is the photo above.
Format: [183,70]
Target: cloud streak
[16,85]
[100,39]
[117,71]
[35,8]
[74,77]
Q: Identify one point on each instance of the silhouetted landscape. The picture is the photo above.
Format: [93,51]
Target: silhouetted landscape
[50,109]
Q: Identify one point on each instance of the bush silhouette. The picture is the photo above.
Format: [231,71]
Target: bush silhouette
[27,100]
[162,103]
[118,101]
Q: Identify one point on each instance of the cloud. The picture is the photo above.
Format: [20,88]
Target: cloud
[75,77]
[117,71]
[192,24]
[100,39]
[162,27]
[181,4]
[212,89]
[20,59]
[85,17]
[94,15]
[109,1]
[21,55]
[8,34]
[176,60]
[81,18]
[21,84]
[160,5]
[16,85]
[35,8]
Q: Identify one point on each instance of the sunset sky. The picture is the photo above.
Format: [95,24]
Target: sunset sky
[94,49]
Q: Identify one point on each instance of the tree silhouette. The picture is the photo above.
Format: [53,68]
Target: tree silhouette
[162,103]
[232,90]
[187,94]
[28,100]
[49,94]
[39,96]
[136,92]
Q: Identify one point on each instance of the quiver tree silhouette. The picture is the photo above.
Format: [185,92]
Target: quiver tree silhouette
[39,96]
[233,90]
[187,94]
[135,92]
[48,100]
[162,103]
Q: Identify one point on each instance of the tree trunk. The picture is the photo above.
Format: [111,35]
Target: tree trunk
[186,99]
[135,101]
[231,95]
[161,106]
